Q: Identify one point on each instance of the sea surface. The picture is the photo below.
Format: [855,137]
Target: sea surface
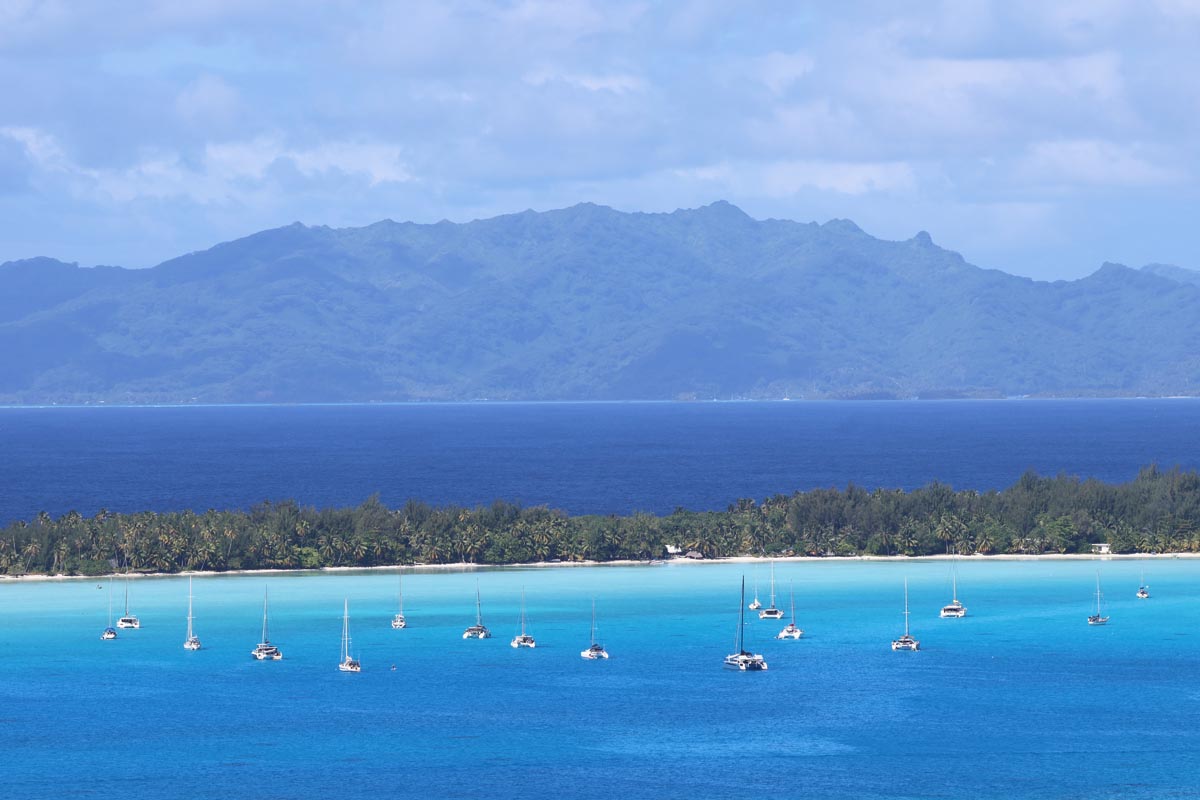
[1021,699]
[580,457]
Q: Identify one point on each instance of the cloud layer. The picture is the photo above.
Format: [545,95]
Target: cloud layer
[1039,138]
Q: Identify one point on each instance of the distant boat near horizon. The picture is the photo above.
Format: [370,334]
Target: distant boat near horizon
[1143,592]
[906,642]
[742,659]
[192,642]
[265,651]
[478,630]
[791,631]
[953,609]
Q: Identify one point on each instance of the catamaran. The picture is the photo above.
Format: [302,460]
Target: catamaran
[755,604]
[954,609]
[791,631]
[596,650]
[523,639]
[1097,618]
[906,642]
[743,660]
[348,662]
[265,651]
[110,632]
[1143,592]
[770,612]
[399,621]
[129,620]
[477,631]
[192,642]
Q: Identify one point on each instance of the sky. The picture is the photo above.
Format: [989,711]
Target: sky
[1040,138]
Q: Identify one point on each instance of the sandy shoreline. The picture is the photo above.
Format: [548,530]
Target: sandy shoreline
[469,567]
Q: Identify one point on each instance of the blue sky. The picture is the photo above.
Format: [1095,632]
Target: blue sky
[1038,138]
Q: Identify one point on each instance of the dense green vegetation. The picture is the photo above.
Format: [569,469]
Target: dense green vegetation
[1159,511]
[586,303]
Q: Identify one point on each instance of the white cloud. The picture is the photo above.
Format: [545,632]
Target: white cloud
[780,70]
[615,83]
[1089,162]
[786,178]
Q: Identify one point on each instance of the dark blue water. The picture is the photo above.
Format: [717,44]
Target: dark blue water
[583,458]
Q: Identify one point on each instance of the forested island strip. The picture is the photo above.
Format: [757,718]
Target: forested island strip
[1156,512]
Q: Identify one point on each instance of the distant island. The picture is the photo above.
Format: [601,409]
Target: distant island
[1157,512]
[587,303]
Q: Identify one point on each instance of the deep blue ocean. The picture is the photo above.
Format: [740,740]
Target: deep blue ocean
[580,457]
[1021,699]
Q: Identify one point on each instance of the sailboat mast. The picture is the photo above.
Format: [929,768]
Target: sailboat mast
[400,589]
[110,604]
[127,597]
[593,620]
[522,611]
[906,606]
[792,594]
[345,629]
[189,633]
[264,636]
[478,607]
[742,614]
[772,584]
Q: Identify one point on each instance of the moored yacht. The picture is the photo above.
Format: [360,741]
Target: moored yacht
[265,651]
[129,620]
[770,612]
[743,660]
[1143,592]
[110,632]
[523,639]
[398,621]
[348,662]
[791,631]
[596,651]
[755,604]
[1098,618]
[478,630]
[954,609]
[192,642]
[906,642]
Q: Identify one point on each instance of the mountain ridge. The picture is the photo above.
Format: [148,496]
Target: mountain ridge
[586,302]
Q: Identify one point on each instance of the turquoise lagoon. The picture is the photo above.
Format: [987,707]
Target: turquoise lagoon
[1021,699]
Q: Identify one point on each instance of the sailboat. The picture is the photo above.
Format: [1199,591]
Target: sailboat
[755,604]
[954,609]
[1097,619]
[596,650]
[770,612]
[110,632]
[1143,592]
[791,631]
[265,651]
[348,663]
[743,660]
[477,631]
[129,620]
[399,621]
[192,642]
[523,639]
[906,642]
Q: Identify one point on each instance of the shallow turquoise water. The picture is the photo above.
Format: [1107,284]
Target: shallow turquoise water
[1020,699]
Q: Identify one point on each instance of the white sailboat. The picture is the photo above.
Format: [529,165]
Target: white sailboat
[743,660]
[906,642]
[954,609]
[399,621]
[596,651]
[755,604]
[348,662]
[129,620]
[523,639]
[770,612]
[791,631]
[265,651]
[1143,592]
[192,642]
[478,630]
[110,632]
[1097,618]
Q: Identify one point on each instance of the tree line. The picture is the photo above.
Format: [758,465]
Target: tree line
[1156,512]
